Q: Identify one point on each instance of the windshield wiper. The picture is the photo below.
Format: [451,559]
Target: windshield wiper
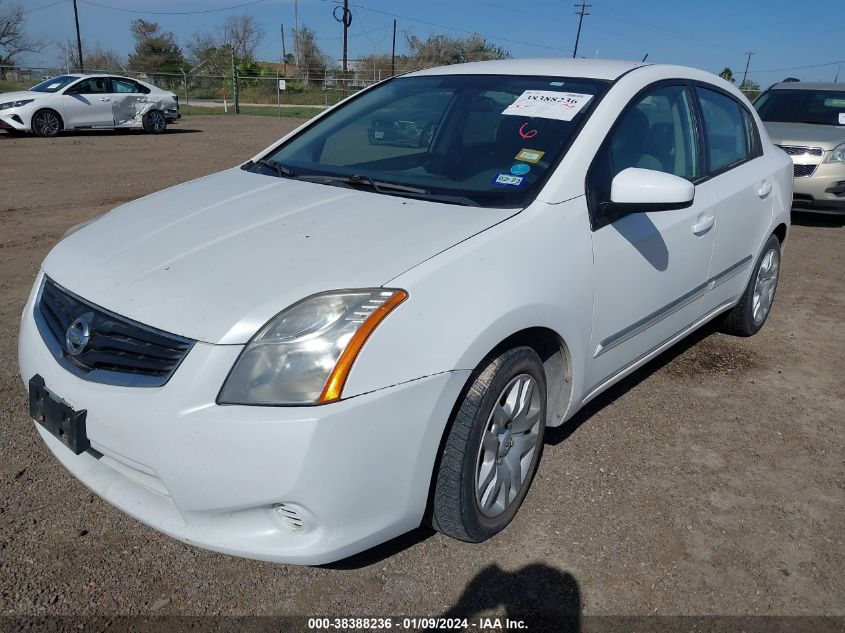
[356,180]
[281,170]
[390,188]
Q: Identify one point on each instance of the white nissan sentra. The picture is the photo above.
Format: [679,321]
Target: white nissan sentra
[370,324]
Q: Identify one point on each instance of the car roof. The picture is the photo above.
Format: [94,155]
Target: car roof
[808,85]
[552,66]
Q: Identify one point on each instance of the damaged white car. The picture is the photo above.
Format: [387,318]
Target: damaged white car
[78,102]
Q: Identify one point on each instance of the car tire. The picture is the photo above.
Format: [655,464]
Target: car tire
[155,122]
[753,308]
[502,413]
[46,123]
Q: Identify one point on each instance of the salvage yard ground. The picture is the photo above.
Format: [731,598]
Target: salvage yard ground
[710,482]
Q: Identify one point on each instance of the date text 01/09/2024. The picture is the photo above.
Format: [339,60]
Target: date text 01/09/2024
[416,624]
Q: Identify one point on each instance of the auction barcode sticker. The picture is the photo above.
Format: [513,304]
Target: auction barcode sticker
[548,104]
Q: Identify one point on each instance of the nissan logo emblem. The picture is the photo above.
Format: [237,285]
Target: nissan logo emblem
[77,336]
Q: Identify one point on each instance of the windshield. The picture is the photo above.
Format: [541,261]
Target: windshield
[55,84]
[823,107]
[487,140]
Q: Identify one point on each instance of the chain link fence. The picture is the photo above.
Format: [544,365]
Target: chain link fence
[303,87]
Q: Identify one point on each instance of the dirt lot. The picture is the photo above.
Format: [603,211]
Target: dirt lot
[711,482]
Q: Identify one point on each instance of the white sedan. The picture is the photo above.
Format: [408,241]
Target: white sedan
[79,102]
[370,324]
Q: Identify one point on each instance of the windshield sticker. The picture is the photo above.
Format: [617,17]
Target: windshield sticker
[548,104]
[526,133]
[556,83]
[520,169]
[529,155]
[508,179]
[52,86]
[842,118]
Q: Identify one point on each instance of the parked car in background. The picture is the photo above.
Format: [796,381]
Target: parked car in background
[83,101]
[807,121]
[312,353]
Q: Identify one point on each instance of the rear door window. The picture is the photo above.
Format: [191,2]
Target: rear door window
[727,139]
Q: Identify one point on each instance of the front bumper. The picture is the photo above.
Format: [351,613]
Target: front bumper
[304,485]
[15,119]
[823,192]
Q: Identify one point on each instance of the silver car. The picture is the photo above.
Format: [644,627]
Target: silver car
[807,120]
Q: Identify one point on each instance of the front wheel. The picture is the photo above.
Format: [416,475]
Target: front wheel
[492,449]
[750,313]
[46,123]
[155,122]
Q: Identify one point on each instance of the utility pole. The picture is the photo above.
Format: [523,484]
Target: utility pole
[235,82]
[582,11]
[296,34]
[747,63]
[393,52]
[284,51]
[78,37]
[346,20]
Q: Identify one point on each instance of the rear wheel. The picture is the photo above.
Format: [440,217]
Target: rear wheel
[751,311]
[46,123]
[493,448]
[155,122]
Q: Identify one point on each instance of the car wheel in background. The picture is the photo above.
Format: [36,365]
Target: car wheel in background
[750,313]
[46,123]
[155,122]
[493,447]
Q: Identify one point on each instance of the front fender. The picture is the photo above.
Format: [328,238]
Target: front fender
[532,270]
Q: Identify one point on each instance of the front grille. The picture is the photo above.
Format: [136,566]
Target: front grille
[797,150]
[118,351]
[802,171]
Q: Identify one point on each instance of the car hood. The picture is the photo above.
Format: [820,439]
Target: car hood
[214,259]
[19,95]
[806,134]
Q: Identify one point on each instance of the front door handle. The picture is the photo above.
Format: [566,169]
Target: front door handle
[765,189]
[704,224]
[104,99]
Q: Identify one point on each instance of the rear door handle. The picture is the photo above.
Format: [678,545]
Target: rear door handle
[704,224]
[104,99]
[765,189]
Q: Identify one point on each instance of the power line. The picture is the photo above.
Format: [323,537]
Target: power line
[140,11]
[46,6]
[781,70]
[453,28]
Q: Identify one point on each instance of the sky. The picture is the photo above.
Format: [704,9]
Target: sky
[800,39]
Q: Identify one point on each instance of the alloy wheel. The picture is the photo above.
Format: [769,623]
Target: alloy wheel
[765,285]
[508,444]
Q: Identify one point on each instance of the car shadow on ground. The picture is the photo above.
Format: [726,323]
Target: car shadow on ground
[541,597]
[802,218]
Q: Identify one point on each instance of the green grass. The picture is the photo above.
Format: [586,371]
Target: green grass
[298,112]
[13,86]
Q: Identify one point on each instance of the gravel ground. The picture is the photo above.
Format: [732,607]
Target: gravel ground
[710,482]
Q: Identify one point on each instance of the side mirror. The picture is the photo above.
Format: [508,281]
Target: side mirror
[634,190]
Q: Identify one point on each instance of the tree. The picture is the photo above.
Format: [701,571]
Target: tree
[243,33]
[155,49]
[312,62]
[749,86]
[98,58]
[727,74]
[13,39]
[439,50]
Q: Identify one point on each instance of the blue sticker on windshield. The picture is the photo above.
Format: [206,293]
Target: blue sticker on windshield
[508,179]
[520,169]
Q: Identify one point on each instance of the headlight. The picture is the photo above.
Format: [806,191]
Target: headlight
[15,104]
[303,355]
[837,155]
